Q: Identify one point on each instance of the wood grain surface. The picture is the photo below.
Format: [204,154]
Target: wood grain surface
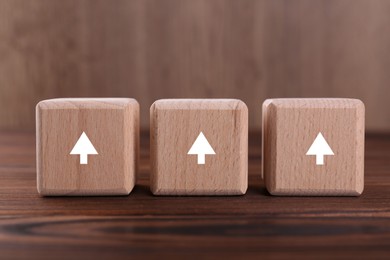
[291,127]
[112,125]
[175,126]
[253,226]
[149,50]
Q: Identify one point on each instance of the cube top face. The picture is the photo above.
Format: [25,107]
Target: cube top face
[86,103]
[103,163]
[313,146]
[177,166]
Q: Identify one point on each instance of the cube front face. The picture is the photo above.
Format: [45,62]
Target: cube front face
[111,125]
[313,146]
[176,125]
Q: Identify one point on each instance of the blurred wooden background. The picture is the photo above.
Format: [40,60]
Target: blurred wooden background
[149,50]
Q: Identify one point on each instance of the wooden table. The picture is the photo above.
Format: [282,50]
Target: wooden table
[141,225]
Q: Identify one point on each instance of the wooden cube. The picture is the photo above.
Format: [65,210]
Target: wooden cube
[199,147]
[313,147]
[87,146]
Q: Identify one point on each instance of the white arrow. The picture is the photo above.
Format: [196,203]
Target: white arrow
[83,147]
[320,148]
[201,147]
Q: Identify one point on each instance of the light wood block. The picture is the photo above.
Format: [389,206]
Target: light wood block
[111,125]
[177,124]
[290,127]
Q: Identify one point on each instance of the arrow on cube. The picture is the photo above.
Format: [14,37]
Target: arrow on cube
[83,147]
[320,148]
[201,147]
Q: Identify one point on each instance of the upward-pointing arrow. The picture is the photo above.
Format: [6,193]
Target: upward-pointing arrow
[201,147]
[320,148]
[83,147]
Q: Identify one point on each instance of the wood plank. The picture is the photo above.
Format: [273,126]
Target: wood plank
[148,50]
[144,225]
[107,237]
